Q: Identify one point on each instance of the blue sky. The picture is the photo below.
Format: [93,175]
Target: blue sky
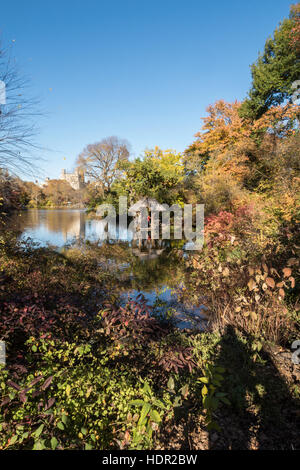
[142,70]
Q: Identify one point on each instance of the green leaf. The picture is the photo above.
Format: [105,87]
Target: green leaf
[206,402]
[204,380]
[159,404]
[147,388]
[214,403]
[39,430]
[137,402]
[216,382]
[154,415]
[177,402]
[60,425]
[171,383]
[13,440]
[219,377]
[145,410]
[39,445]
[54,443]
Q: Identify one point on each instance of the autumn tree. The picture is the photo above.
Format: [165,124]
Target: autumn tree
[34,193]
[158,174]
[225,137]
[231,152]
[100,161]
[295,32]
[12,194]
[59,192]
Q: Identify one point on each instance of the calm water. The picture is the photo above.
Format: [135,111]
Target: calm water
[59,227]
[154,272]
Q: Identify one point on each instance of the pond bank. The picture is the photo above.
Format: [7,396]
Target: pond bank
[95,362]
[138,270]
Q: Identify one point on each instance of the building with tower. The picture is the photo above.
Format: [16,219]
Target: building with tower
[75,179]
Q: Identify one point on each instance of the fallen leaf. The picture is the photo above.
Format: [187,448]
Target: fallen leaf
[287,272]
[251,284]
[270,281]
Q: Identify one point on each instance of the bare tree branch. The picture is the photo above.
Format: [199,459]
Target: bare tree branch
[17,120]
[99,160]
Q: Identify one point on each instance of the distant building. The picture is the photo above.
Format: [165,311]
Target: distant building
[75,179]
[44,183]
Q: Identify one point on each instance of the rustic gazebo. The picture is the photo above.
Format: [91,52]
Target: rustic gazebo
[146,219]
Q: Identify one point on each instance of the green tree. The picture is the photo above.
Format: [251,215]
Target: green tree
[159,174]
[275,70]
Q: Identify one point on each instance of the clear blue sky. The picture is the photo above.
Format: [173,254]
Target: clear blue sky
[142,70]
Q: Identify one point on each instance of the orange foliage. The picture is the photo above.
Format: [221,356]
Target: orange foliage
[222,128]
[295,33]
[227,138]
[279,119]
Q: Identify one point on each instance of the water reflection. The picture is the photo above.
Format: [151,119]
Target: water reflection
[167,300]
[61,226]
[151,268]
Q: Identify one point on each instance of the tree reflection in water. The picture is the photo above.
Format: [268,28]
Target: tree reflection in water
[155,269]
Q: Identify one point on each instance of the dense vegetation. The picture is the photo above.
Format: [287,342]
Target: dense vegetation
[17,194]
[84,371]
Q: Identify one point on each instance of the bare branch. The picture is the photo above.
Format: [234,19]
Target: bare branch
[99,160]
[17,125]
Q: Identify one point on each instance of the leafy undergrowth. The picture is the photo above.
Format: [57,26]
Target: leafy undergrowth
[85,373]
[249,277]
[82,372]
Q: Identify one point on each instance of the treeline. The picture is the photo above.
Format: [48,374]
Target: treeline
[84,372]
[17,194]
[53,193]
[246,152]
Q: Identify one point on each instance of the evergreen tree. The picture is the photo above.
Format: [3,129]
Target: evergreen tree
[276,69]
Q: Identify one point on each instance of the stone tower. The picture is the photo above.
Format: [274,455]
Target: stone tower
[75,179]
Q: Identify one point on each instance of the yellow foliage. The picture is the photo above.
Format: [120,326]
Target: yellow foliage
[170,161]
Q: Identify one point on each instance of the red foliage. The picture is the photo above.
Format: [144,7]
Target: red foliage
[29,317]
[132,322]
[221,227]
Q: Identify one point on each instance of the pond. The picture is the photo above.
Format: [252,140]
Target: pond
[59,227]
[156,272]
